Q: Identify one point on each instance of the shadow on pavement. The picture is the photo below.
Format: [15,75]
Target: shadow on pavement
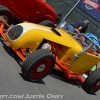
[8,49]
[39,82]
[60,76]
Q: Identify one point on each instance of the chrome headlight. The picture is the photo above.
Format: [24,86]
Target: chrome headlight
[15,32]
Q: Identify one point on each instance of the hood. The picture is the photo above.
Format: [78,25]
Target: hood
[38,32]
[48,34]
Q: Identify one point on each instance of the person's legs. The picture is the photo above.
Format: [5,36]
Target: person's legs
[69,28]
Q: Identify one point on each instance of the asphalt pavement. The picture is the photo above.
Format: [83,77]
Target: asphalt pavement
[54,87]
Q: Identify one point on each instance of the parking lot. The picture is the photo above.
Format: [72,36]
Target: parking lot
[53,87]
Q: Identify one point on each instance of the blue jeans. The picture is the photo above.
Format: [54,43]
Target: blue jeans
[69,28]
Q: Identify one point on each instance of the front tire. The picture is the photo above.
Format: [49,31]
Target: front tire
[6,13]
[38,65]
[92,83]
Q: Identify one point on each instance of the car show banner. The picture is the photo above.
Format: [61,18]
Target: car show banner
[92,7]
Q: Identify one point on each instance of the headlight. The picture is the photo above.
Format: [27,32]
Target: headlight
[15,32]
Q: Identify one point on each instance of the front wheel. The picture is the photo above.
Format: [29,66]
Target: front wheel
[38,65]
[92,83]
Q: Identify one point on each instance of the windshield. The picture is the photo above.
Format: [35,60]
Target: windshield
[85,42]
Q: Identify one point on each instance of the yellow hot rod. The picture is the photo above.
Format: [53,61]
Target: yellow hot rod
[43,48]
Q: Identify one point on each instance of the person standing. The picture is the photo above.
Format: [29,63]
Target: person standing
[81,26]
[58,19]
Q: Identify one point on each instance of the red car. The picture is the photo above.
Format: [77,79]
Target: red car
[34,11]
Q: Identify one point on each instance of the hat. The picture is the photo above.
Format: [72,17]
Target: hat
[86,21]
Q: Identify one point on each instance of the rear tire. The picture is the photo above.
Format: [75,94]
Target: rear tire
[6,13]
[47,23]
[38,65]
[92,83]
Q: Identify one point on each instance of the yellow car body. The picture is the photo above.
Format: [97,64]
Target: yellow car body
[34,34]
